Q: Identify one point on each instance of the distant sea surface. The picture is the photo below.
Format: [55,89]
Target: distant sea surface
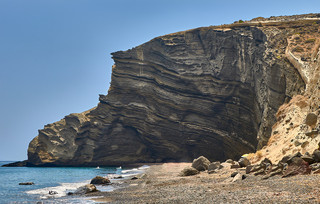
[59,179]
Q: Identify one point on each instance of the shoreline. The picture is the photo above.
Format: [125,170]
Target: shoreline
[161,183]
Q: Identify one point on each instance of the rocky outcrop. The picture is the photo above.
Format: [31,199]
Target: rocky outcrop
[208,91]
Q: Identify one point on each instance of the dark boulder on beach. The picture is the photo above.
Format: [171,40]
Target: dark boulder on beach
[201,163]
[189,171]
[99,180]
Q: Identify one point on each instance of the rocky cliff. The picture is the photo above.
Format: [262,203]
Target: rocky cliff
[210,91]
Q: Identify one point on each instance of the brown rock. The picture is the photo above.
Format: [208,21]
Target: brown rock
[214,166]
[308,158]
[89,188]
[235,165]
[201,163]
[99,180]
[189,171]
[311,119]
[243,162]
[316,155]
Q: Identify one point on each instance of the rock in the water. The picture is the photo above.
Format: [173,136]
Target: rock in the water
[201,163]
[99,180]
[26,183]
[89,188]
[189,171]
[243,162]
[53,192]
[214,166]
[311,119]
[16,164]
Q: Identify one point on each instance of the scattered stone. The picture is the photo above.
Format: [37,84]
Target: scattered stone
[226,165]
[212,172]
[27,183]
[316,155]
[238,177]
[312,133]
[243,162]
[89,188]
[316,171]
[201,163]
[249,168]
[235,165]
[189,171]
[292,158]
[234,174]
[297,166]
[308,158]
[311,119]
[53,192]
[230,161]
[99,180]
[315,166]
[214,166]
[118,177]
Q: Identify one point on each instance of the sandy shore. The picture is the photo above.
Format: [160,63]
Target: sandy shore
[162,184]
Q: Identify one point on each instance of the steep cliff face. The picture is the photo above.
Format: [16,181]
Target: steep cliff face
[207,91]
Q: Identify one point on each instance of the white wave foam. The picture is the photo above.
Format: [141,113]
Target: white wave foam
[61,190]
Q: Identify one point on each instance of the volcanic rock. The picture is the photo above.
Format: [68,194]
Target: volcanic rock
[206,91]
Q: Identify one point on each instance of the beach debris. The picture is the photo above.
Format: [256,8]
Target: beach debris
[201,163]
[99,180]
[214,166]
[189,171]
[243,162]
[89,188]
[26,183]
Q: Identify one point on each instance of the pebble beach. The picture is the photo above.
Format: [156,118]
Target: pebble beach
[162,183]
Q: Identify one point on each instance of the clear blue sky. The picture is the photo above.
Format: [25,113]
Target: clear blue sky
[55,54]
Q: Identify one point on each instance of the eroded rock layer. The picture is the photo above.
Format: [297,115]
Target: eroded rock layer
[208,91]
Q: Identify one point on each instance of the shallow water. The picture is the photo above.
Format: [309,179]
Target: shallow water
[59,179]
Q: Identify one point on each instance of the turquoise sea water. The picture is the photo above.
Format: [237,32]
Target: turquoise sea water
[59,179]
